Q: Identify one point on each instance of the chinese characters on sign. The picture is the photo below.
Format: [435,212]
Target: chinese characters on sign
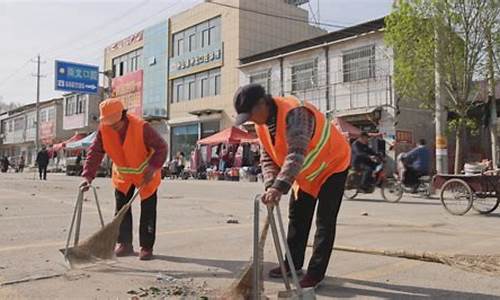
[403,136]
[129,89]
[134,38]
[72,77]
[198,60]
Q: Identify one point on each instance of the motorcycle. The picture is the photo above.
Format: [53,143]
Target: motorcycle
[423,186]
[390,189]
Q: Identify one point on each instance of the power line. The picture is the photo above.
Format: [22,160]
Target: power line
[273,15]
[289,17]
[316,20]
[99,40]
[126,28]
[106,23]
[14,73]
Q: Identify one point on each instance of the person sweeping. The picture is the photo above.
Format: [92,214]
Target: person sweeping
[302,151]
[138,153]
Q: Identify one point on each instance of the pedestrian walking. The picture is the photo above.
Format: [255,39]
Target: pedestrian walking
[304,152]
[42,160]
[21,164]
[138,153]
[5,164]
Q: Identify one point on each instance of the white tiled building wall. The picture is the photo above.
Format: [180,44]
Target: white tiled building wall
[366,93]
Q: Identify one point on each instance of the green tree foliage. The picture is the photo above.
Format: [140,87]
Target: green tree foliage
[456,28]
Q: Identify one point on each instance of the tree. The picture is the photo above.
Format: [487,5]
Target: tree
[7,106]
[461,38]
[491,26]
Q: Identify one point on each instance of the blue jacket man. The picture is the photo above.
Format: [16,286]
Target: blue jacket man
[418,159]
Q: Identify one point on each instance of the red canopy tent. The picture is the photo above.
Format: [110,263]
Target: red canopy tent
[231,135]
[74,138]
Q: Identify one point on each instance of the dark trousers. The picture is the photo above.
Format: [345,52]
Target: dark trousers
[301,213]
[42,171]
[147,225]
[411,176]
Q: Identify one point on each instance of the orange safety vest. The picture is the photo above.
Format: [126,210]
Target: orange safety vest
[328,152]
[130,159]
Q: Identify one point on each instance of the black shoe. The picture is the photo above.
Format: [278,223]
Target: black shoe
[276,273]
[310,281]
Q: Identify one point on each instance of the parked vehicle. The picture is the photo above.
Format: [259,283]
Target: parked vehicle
[75,169]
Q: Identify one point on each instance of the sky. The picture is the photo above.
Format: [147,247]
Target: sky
[79,30]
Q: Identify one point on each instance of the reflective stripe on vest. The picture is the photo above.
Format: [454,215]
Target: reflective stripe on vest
[311,157]
[138,170]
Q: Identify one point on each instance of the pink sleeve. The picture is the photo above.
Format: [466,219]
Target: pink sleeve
[95,155]
[153,140]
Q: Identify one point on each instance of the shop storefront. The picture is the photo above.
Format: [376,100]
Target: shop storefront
[185,136]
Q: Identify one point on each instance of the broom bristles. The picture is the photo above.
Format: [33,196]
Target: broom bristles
[241,288]
[101,244]
[487,264]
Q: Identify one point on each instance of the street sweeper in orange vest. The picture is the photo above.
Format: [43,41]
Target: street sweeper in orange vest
[138,153]
[304,152]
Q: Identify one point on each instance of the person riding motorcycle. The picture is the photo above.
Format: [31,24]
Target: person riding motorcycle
[416,163]
[364,159]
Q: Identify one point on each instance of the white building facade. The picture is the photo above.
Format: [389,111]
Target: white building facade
[347,74]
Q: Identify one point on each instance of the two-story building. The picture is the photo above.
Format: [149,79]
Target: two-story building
[81,112]
[347,74]
[186,68]
[19,128]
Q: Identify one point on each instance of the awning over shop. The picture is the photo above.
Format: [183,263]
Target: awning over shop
[82,143]
[348,129]
[361,115]
[231,135]
[74,138]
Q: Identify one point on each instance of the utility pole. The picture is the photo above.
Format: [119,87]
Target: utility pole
[38,76]
[441,115]
[492,99]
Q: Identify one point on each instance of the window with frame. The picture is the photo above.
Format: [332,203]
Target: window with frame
[70,106]
[192,42]
[191,90]
[263,78]
[200,85]
[204,87]
[201,35]
[51,114]
[305,76]
[217,79]
[128,62]
[180,47]
[205,38]
[359,63]
[30,121]
[178,92]
[209,128]
[81,103]
[19,124]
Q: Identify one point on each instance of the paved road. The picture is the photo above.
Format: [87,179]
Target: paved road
[198,249]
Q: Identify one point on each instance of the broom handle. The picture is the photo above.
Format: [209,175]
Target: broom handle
[129,203]
[78,217]
[80,193]
[277,245]
[287,251]
[98,206]
[256,256]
